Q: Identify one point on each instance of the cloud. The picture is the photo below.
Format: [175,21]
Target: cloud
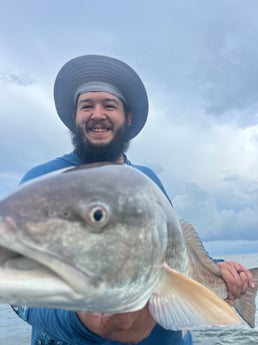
[19,78]
[214,222]
[209,169]
[225,250]
[30,131]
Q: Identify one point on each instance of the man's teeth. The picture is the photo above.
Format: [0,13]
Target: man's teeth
[99,129]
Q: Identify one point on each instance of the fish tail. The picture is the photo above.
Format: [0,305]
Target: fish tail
[245,305]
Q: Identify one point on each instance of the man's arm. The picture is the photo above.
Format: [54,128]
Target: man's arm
[58,324]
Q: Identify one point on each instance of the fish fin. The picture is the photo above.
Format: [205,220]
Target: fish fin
[180,302]
[202,267]
[207,272]
[245,305]
[196,248]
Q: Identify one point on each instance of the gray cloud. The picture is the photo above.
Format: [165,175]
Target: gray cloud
[215,219]
[19,78]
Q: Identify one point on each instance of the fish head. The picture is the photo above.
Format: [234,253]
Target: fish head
[99,229]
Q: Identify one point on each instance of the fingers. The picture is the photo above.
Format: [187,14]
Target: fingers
[237,278]
[243,282]
[245,275]
[230,302]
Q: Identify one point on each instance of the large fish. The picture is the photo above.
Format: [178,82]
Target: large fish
[106,239]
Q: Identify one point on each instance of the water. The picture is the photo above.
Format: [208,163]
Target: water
[14,331]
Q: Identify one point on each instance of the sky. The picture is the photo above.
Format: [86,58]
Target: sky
[199,63]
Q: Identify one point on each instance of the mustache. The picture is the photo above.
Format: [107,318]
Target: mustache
[102,123]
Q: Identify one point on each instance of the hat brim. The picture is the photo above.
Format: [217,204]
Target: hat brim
[99,68]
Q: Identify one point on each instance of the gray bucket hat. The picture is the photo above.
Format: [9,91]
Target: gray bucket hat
[100,73]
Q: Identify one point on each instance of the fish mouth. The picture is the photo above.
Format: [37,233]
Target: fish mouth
[32,275]
[11,261]
[49,266]
[25,281]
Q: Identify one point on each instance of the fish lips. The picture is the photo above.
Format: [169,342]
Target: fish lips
[30,262]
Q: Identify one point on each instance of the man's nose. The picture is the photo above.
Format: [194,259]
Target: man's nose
[98,112]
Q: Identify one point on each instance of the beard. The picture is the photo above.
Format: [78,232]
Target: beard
[110,152]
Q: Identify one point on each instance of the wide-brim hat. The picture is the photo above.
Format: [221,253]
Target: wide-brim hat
[100,69]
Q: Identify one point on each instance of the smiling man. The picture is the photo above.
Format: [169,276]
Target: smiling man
[104,104]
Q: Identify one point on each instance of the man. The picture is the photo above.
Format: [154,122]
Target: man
[104,104]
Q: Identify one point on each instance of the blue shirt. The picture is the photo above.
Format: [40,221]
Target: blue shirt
[62,327]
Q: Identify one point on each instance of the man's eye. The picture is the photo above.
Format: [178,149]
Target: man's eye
[86,107]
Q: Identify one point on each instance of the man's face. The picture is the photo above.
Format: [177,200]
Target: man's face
[101,127]
[99,115]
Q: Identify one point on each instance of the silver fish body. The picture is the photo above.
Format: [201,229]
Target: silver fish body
[101,238]
[106,239]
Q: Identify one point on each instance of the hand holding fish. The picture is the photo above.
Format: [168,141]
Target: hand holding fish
[237,278]
[130,327]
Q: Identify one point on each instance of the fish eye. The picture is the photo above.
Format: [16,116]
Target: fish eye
[98,216]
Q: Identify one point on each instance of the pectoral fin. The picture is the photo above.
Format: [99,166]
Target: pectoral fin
[180,302]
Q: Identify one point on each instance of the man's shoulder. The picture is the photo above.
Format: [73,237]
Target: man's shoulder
[146,170]
[151,174]
[58,163]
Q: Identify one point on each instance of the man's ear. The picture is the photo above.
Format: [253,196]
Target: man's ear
[129,119]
